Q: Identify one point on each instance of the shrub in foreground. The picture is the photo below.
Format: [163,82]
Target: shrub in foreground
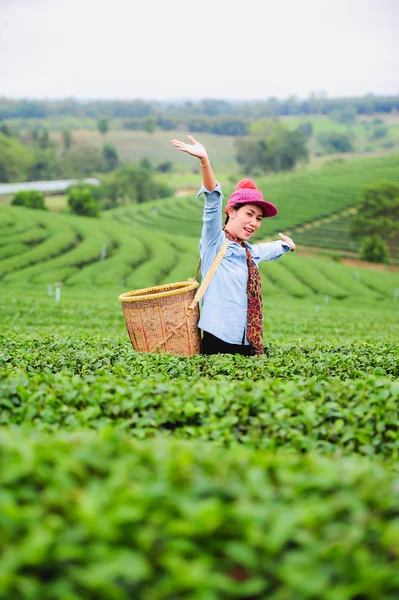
[82,200]
[99,516]
[29,199]
[330,417]
[374,249]
[75,354]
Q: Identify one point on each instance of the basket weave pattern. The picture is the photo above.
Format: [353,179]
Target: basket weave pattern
[159,318]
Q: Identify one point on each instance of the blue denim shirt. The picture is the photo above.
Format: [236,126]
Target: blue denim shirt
[224,305]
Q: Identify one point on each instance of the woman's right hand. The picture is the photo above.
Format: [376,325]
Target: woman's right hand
[195,148]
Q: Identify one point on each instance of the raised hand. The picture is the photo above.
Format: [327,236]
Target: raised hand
[288,241]
[195,148]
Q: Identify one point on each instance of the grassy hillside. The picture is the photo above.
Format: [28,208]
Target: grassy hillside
[132,146]
[71,253]
[300,197]
[331,234]
[157,242]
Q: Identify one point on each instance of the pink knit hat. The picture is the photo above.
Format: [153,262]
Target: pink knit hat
[247,193]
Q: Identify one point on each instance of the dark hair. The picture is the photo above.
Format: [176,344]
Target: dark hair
[236,207]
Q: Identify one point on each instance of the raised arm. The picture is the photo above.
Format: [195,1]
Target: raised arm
[198,150]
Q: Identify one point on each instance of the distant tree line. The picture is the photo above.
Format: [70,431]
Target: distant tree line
[130,184]
[233,126]
[169,113]
[34,156]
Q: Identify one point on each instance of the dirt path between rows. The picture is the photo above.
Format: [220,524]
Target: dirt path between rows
[354,262]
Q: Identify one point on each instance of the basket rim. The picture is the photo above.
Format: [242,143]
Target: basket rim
[161,291]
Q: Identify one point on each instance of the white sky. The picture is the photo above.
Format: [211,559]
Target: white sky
[159,49]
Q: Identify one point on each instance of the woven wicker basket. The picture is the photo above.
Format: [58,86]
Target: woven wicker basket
[160,318]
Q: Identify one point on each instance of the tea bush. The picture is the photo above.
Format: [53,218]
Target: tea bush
[93,516]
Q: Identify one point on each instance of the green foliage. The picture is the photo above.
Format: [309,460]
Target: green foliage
[67,140]
[83,161]
[248,154]
[149,125]
[80,352]
[163,190]
[82,201]
[335,141]
[166,123]
[315,104]
[231,126]
[378,211]
[132,184]
[145,163]
[45,164]
[61,238]
[378,215]
[262,128]
[265,403]
[306,128]
[34,160]
[105,516]
[277,149]
[301,197]
[29,199]
[374,249]
[102,125]
[5,129]
[165,167]
[15,159]
[110,156]
[346,116]
[379,132]
[132,475]
[164,469]
[133,124]
[43,139]
[40,137]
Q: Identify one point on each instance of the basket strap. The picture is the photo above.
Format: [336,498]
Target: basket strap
[197,269]
[208,277]
[200,292]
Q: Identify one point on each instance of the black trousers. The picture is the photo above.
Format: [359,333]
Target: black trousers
[210,344]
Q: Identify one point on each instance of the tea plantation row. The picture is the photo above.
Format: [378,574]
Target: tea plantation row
[98,515]
[300,197]
[157,242]
[82,252]
[90,355]
[328,416]
[155,476]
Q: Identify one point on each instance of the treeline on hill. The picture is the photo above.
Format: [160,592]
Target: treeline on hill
[33,156]
[221,117]
[315,104]
[129,184]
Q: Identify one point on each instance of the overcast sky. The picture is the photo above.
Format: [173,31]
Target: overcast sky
[160,49]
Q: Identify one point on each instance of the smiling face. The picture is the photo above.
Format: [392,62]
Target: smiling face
[244,221]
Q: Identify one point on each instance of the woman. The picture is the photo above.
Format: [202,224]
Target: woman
[231,316]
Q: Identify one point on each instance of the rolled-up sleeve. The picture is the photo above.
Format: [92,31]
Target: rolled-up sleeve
[271,250]
[204,190]
[212,234]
